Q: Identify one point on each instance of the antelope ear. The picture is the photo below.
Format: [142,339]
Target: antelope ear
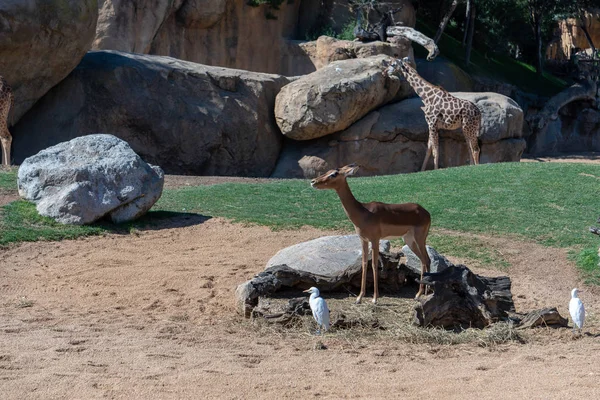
[350,169]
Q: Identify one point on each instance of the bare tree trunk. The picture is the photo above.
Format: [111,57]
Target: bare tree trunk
[445,20]
[467,20]
[470,35]
[538,40]
[586,32]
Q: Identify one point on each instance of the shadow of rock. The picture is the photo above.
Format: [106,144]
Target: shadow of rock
[158,220]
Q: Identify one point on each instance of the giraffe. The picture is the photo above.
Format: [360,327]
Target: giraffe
[442,111]
[6,100]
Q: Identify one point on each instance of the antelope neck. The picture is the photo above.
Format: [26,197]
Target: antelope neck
[353,208]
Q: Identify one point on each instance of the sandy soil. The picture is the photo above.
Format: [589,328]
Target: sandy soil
[150,315]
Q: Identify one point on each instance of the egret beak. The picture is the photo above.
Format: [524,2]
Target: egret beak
[306,291]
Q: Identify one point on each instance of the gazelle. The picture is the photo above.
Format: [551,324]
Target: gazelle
[375,221]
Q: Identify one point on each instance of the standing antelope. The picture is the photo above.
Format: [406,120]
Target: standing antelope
[375,221]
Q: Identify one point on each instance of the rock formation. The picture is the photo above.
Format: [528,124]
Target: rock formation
[230,33]
[393,139]
[332,98]
[88,178]
[185,117]
[568,36]
[41,42]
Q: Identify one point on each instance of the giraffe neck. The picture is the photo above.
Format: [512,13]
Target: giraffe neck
[424,89]
[353,208]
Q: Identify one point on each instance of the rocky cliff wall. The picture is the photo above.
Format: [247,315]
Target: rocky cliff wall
[226,33]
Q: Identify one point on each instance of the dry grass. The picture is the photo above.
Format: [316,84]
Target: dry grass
[390,319]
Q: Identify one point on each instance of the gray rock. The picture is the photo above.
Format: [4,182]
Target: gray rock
[326,263]
[334,97]
[332,260]
[442,72]
[393,140]
[40,43]
[188,118]
[438,261]
[326,50]
[576,129]
[88,178]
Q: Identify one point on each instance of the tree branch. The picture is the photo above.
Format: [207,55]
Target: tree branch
[416,37]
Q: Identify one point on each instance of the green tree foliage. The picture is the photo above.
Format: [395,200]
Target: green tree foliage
[519,28]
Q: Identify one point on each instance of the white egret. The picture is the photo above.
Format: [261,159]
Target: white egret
[319,309]
[577,310]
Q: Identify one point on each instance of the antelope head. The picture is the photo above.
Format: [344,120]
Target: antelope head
[333,178]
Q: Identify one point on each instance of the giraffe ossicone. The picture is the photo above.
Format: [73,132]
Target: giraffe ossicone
[442,111]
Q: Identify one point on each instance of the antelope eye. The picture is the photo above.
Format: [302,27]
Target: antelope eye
[333,174]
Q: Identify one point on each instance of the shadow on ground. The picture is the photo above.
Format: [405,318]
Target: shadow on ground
[157,220]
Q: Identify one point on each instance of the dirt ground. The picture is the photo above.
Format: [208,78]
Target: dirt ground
[150,315]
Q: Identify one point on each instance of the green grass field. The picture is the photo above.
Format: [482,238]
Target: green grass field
[552,204]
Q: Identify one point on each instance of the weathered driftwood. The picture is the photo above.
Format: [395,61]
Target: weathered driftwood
[416,37]
[544,317]
[282,315]
[462,299]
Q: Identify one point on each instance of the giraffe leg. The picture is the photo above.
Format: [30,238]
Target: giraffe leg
[434,138]
[5,137]
[470,131]
[427,154]
[365,260]
[6,143]
[432,144]
[375,265]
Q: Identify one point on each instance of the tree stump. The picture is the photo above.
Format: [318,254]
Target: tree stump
[462,299]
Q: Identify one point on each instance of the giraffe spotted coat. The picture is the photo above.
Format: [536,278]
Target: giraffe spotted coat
[442,111]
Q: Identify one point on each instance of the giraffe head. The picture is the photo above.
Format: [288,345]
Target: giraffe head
[333,178]
[399,65]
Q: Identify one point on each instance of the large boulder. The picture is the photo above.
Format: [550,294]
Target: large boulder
[331,260]
[393,139]
[413,263]
[327,263]
[185,117]
[326,50]
[576,129]
[40,43]
[334,97]
[442,72]
[89,178]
